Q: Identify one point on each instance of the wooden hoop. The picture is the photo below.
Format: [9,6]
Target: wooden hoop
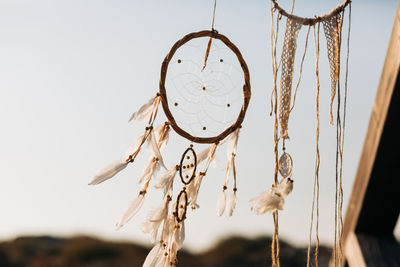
[310,21]
[246,87]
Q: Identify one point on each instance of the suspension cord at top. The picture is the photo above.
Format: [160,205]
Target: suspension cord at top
[213,17]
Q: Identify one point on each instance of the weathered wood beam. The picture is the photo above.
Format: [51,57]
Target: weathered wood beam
[374,204]
[379,112]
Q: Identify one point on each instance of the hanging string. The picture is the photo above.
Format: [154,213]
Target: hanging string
[275,248]
[291,11]
[274,40]
[301,69]
[341,148]
[213,17]
[338,177]
[315,206]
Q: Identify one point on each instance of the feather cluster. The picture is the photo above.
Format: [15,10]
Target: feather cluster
[274,198]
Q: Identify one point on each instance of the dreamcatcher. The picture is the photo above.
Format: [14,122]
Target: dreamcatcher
[282,105]
[204,91]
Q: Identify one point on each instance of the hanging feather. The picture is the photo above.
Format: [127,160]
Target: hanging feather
[135,147]
[207,53]
[131,210]
[231,205]
[284,187]
[221,203]
[144,112]
[162,134]
[152,142]
[203,155]
[332,29]
[288,56]
[166,181]
[154,256]
[267,201]
[232,144]
[156,218]
[109,171]
[179,236]
[150,171]
[193,190]
[168,227]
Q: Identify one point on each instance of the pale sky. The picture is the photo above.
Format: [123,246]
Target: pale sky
[72,72]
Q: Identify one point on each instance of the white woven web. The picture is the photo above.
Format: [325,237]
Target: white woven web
[288,56]
[204,103]
[333,36]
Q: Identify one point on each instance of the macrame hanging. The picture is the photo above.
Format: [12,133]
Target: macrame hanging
[204,91]
[273,199]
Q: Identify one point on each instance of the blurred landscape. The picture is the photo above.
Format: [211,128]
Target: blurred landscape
[46,251]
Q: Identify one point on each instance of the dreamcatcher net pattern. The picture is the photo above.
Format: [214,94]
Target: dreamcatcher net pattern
[333,39]
[288,56]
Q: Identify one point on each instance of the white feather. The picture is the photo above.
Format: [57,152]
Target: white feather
[155,219]
[154,256]
[162,131]
[231,205]
[144,111]
[166,180]
[203,155]
[155,149]
[168,227]
[193,190]
[221,203]
[130,211]
[135,146]
[284,187]
[151,170]
[267,201]
[109,171]
[180,235]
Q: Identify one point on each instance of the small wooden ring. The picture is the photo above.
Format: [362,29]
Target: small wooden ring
[194,168]
[180,219]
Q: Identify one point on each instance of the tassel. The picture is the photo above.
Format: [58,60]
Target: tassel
[221,203]
[144,111]
[155,149]
[109,171]
[156,218]
[267,201]
[166,181]
[151,170]
[131,210]
[231,205]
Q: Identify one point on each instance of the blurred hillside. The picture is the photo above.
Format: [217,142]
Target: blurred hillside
[48,251]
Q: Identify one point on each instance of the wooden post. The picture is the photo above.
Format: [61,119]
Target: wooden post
[374,204]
